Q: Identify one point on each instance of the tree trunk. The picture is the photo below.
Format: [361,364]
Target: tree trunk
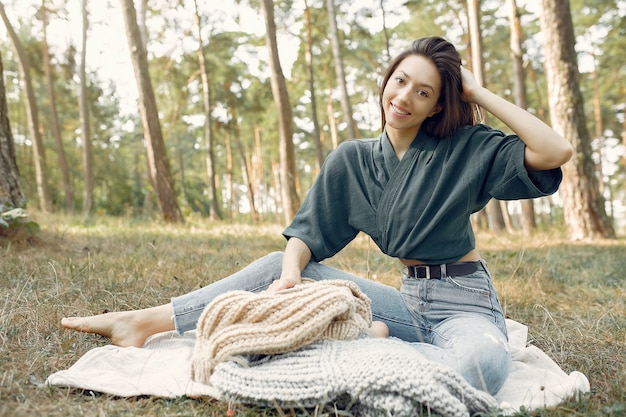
[308,55]
[276,184]
[476,43]
[142,19]
[245,168]
[56,130]
[353,130]
[88,201]
[385,32]
[214,207]
[624,137]
[541,107]
[583,205]
[290,199]
[332,121]
[519,87]
[39,152]
[10,190]
[259,180]
[495,218]
[230,188]
[157,156]
[599,128]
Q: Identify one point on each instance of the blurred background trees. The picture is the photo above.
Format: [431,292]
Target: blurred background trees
[83,143]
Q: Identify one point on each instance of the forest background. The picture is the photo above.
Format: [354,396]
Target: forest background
[143,140]
[244,160]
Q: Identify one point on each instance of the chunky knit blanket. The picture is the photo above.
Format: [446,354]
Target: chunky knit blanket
[369,376]
[299,348]
[241,322]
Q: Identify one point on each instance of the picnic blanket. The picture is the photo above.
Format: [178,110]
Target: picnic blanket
[367,374]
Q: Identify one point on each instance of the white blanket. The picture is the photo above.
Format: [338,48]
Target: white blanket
[163,368]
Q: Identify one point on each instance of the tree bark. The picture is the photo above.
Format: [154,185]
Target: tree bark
[230,187]
[88,200]
[10,190]
[583,204]
[332,121]
[527,219]
[157,155]
[348,118]
[599,127]
[245,166]
[39,153]
[308,56]
[290,199]
[495,218]
[56,130]
[385,32]
[214,207]
[259,180]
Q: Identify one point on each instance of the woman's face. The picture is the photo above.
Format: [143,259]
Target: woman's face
[410,96]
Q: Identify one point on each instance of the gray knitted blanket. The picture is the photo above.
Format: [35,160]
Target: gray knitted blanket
[370,376]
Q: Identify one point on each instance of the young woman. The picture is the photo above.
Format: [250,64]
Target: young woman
[412,190]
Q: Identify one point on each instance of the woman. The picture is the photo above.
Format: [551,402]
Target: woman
[412,190]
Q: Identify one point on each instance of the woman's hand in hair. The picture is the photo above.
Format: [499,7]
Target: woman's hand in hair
[470,85]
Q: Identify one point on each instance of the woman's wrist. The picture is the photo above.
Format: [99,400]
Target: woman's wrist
[294,278]
[284,282]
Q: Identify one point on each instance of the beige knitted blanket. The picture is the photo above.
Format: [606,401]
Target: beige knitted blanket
[241,322]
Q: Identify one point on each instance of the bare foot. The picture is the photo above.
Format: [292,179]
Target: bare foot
[118,327]
[378,329]
[126,328]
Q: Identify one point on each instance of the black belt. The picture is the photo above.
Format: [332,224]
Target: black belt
[436,271]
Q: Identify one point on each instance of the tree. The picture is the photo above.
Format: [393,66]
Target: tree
[157,157]
[583,204]
[519,85]
[10,190]
[56,130]
[308,56]
[39,154]
[493,210]
[244,160]
[84,118]
[290,199]
[353,130]
[214,209]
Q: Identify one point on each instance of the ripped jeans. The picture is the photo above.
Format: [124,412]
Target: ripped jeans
[453,320]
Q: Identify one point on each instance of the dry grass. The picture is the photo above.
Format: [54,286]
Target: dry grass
[571,295]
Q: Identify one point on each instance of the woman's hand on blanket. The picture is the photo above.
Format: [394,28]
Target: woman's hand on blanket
[283,283]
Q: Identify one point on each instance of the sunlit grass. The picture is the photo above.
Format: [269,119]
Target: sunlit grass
[570,294]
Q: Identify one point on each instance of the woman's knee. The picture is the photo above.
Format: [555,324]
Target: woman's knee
[270,263]
[274,257]
[486,365]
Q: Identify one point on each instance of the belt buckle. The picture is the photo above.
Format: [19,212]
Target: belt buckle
[426,269]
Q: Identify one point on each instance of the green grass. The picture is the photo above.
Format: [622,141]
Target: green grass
[570,294]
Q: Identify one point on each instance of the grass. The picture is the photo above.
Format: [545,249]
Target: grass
[570,294]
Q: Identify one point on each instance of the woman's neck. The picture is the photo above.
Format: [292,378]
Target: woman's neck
[401,140]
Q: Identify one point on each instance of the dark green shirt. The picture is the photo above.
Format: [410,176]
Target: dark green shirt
[418,207]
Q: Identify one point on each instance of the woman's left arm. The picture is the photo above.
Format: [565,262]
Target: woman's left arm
[545,148]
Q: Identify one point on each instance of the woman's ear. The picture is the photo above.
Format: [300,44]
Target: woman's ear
[435,110]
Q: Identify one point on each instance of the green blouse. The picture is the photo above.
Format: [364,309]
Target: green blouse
[418,207]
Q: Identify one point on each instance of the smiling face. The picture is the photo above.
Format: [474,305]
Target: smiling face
[410,96]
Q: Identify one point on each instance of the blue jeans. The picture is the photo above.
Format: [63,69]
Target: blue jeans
[455,320]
